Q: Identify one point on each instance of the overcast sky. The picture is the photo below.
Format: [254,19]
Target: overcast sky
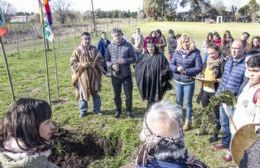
[83,5]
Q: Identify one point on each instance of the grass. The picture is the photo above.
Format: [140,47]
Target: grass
[28,75]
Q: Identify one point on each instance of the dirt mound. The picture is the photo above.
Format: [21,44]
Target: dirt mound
[74,149]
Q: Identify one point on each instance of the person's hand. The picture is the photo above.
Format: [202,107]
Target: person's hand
[114,67]
[180,69]
[85,64]
[120,61]
[218,80]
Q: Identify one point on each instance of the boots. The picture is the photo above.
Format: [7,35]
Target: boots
[187,125]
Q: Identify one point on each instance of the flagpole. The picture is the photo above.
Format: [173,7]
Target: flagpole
[45,55]
[7,69]
[56,70]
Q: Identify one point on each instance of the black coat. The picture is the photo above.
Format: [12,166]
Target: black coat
[152,75]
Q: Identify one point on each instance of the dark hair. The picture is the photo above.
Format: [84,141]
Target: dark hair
[214,46]
[116,31]
[224,38]
[156,49]
[171,31]
[248,35]
[207,40]
[216,34]
[22,122]
[178,36]
[103,32]
[254,61]
[85,34]
[252,44]
[158,31]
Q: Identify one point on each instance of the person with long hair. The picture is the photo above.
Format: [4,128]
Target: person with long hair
[255,42]
[25,135]
[207,42]
[160,40]
[151,38]
[186,63]
[153,75]
[216,39]
[227,40]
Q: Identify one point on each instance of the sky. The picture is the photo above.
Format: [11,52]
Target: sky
[83,5]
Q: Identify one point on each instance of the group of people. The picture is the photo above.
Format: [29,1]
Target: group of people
[222,69]
[229,65]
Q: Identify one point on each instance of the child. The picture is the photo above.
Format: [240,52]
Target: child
[25,134]
[247,110]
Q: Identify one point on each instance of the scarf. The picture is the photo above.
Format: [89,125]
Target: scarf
[214,64]
[163,149]
[13,150]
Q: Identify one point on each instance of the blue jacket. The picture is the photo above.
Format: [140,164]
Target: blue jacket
[192,64]
[233,76]
[102,45]
[162,164]
[124,51]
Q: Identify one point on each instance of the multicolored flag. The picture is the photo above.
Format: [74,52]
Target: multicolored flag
[46,20]
[3,28]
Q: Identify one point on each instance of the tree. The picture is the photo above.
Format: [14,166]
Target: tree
[197,7]
[61,10]
[254,7]
[219,6]
[159,8]
[7,9]
[249,10]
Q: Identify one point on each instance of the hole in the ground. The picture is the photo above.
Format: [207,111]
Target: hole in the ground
[74,149]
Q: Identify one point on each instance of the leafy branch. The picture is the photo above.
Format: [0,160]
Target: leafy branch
[204,117]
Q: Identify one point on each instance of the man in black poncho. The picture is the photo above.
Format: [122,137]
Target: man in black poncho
[152,75]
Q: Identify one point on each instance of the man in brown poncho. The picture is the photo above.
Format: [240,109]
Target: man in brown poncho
[87,66]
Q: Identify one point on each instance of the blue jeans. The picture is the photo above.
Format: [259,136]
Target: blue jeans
[224,122]
[185,92]
[83,105]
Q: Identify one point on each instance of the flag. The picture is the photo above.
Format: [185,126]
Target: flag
[48,11]
[46,19]
[3,28]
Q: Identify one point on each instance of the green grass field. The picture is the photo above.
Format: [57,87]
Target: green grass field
[28,74]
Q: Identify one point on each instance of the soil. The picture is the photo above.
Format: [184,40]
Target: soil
[77,150]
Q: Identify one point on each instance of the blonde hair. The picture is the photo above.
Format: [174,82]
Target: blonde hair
[183,38]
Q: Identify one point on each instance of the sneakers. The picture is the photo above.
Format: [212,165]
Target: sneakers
[227,158]
[99,113]
[129,115]
[218,147]
[213,138]
[83,115]
[187,125]
[117,115]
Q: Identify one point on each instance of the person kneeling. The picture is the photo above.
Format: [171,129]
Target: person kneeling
[163,139]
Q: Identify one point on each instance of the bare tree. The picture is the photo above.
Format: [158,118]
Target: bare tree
[61,9]
[218,5]
[8,10]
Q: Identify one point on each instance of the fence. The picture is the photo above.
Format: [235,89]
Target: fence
[28,39]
